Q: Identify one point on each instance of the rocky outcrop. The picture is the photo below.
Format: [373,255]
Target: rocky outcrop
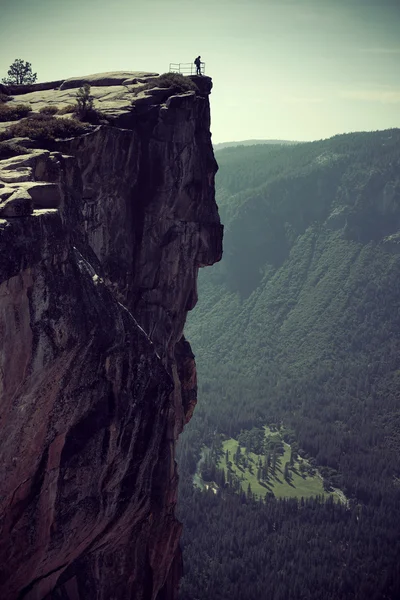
[101,236]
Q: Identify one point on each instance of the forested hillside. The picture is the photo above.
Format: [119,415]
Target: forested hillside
[299,325]
[223,145]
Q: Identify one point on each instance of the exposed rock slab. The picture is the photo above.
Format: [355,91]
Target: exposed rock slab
[107,79]
[113,93]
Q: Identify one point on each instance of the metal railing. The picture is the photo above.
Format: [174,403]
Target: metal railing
[186,68]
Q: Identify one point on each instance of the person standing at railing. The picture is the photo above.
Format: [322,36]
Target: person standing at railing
[197,62]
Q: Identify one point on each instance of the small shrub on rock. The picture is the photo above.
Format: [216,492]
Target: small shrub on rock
[94,117]
[46,128]
[13,112]
[177,81]
[70,108]
[84,109]
[5,98]
[84,101]
[48,110]
[8,150]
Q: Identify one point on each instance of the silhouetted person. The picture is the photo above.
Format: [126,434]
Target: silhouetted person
[197,62]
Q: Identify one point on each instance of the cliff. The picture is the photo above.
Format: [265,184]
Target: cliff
[102,235]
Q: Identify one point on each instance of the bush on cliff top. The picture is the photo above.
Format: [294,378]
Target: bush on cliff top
[5,98]
[177,82]
[70,108]
[13,112]
[89,115]
[8,150]
[84,99]
[84,109]
[48,110]
[92,116]
[45,128]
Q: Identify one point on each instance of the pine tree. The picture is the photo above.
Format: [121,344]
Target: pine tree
[20,72]
[237,455]
[84,100]
[274,459]
[286,472]
[249,492]
[268,459]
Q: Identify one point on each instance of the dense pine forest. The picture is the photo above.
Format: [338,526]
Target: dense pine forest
[298,330]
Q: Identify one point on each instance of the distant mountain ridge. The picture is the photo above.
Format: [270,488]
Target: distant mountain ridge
[223,145]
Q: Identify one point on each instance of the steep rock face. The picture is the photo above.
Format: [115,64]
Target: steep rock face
[102,236]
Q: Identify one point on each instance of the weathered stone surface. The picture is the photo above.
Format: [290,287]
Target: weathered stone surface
[5,191]
[113,93]
[17,205]
[22,188]
[105,79]
[96,378]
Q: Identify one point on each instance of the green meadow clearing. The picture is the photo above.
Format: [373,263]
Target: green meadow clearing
[297,486]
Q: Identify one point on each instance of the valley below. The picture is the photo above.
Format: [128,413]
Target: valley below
[298,328]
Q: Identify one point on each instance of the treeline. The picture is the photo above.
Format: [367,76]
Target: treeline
[236,548]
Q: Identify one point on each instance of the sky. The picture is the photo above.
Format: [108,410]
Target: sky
[281,69]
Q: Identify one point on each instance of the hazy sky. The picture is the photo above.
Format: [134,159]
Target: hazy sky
[282,69]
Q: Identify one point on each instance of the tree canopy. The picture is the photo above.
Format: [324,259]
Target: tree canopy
[20,72]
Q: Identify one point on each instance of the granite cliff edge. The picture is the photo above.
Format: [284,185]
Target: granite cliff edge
[101,236]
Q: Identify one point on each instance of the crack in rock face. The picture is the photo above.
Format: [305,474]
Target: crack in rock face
[102,235]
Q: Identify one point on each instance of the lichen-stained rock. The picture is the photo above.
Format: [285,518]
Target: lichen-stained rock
[97,273]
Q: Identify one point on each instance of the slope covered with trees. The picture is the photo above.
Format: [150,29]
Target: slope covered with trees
[300,325]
